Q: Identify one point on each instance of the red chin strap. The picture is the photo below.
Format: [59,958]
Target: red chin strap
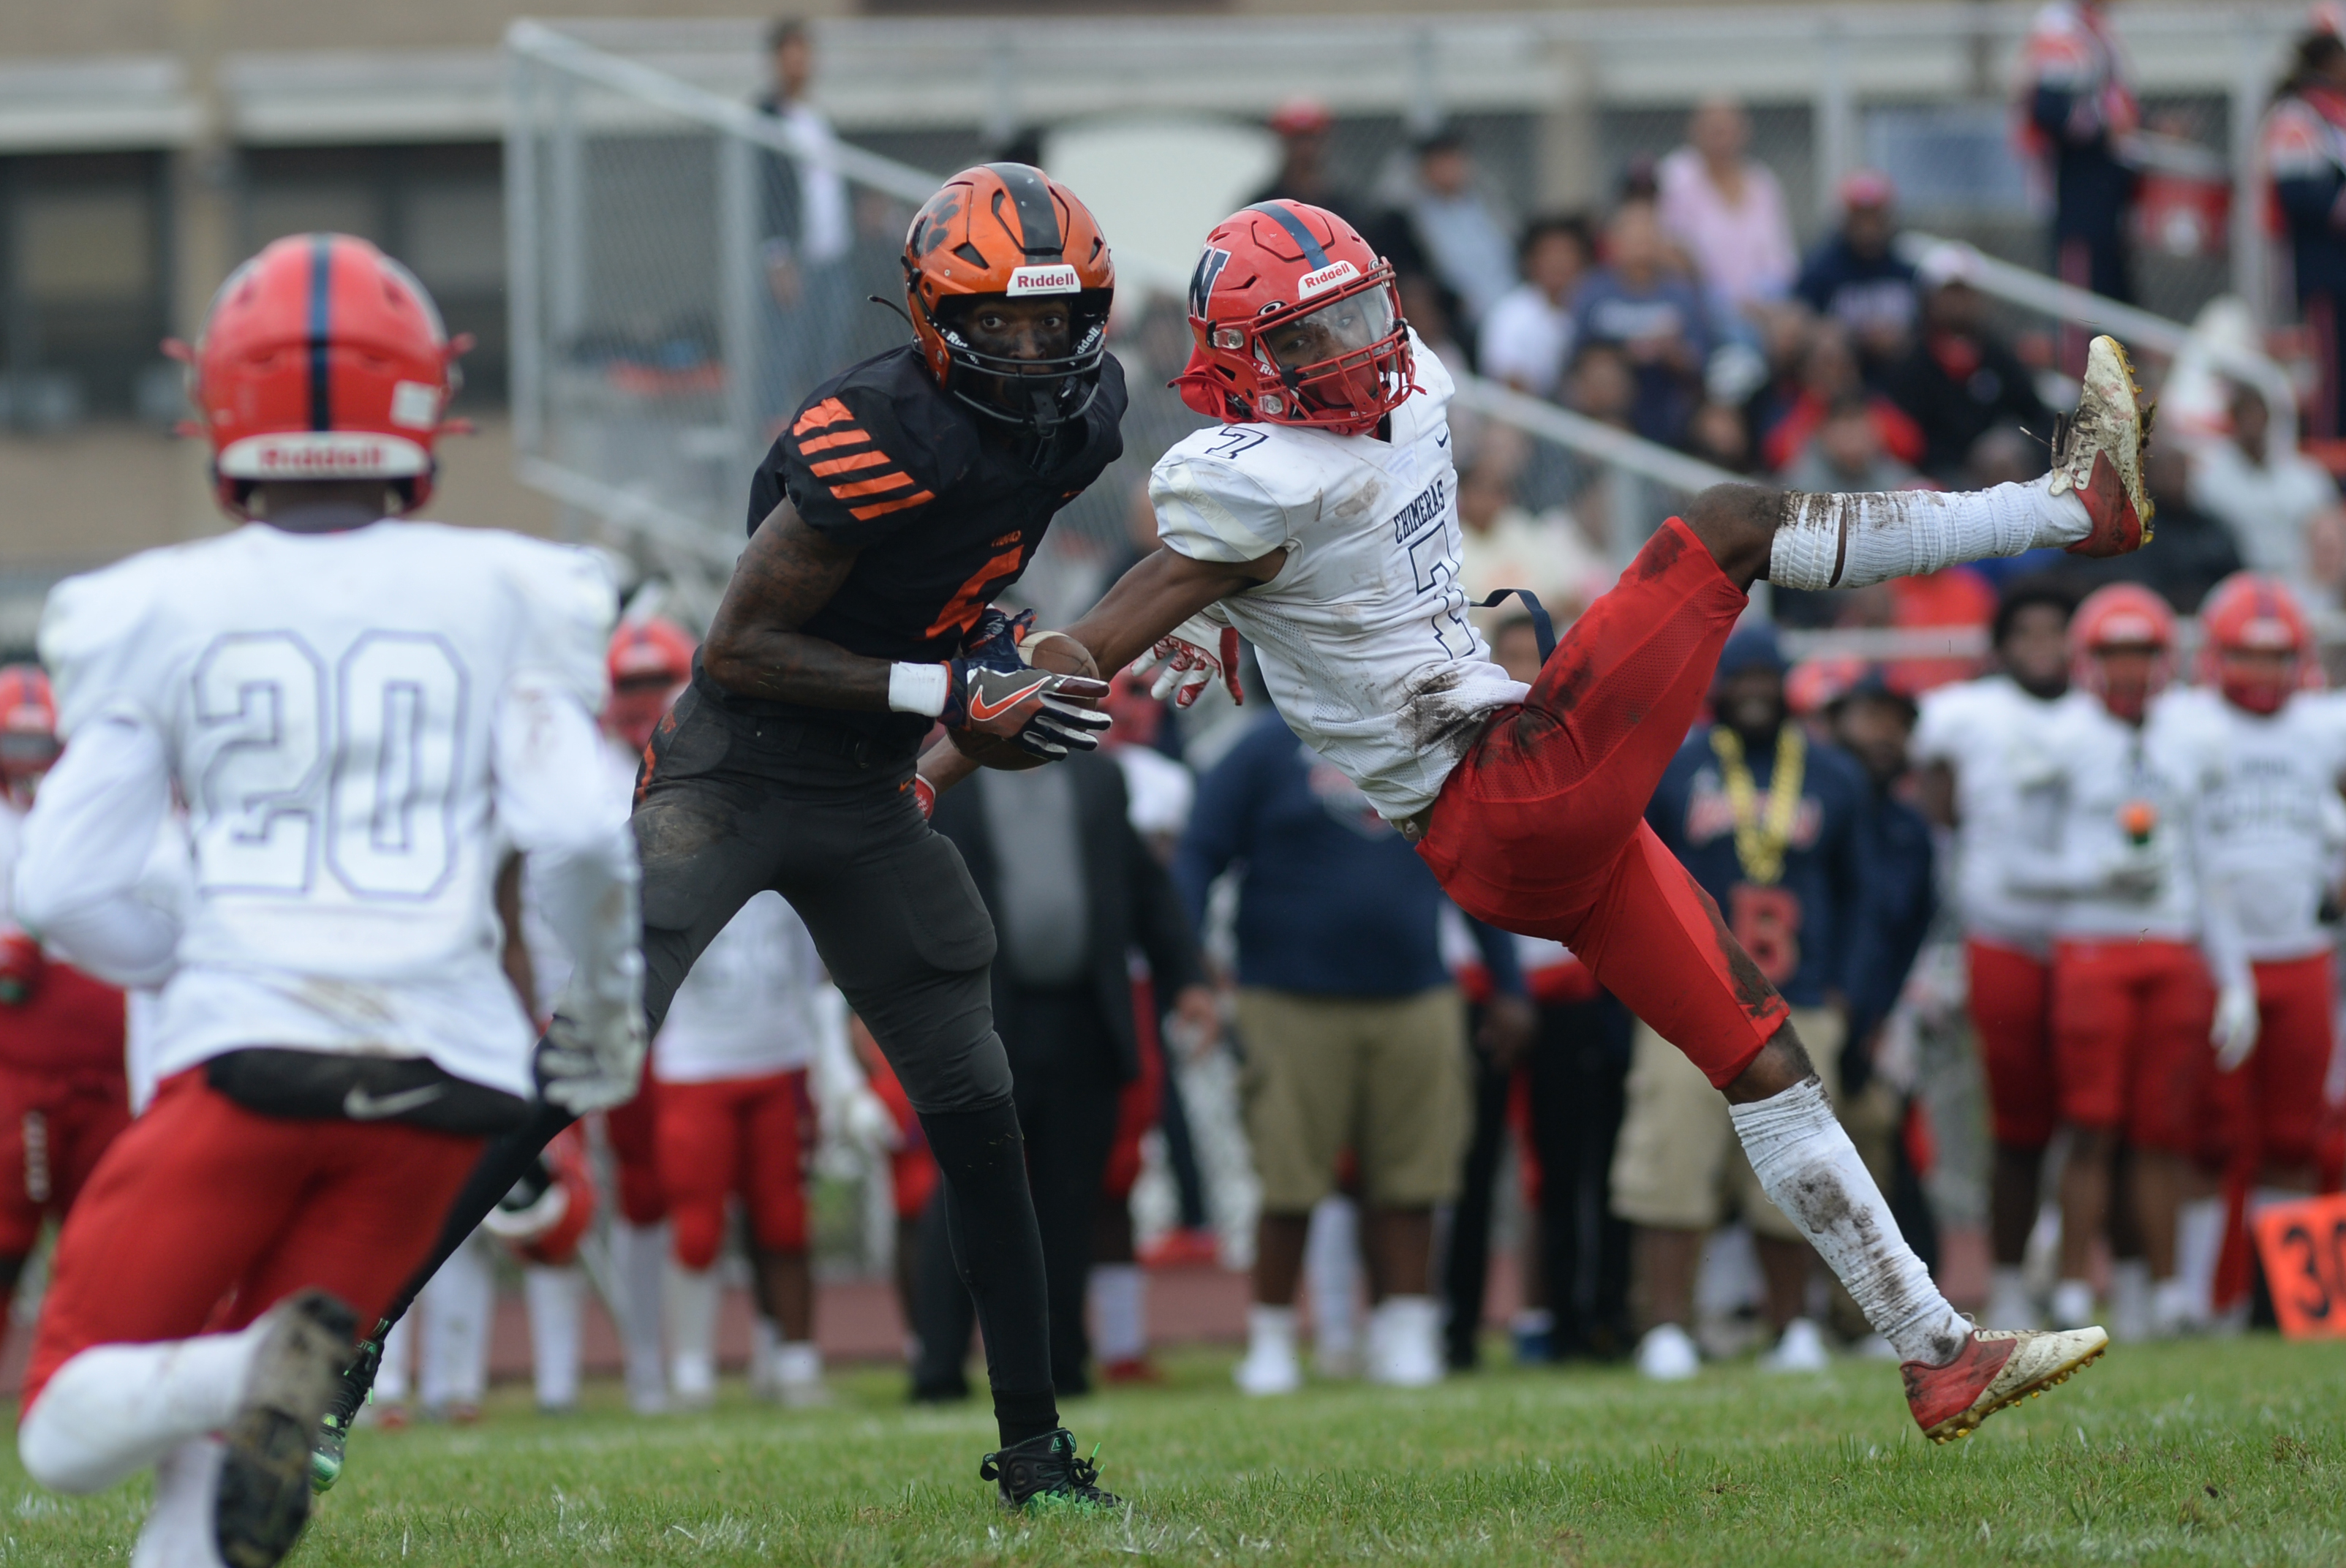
[2258,694]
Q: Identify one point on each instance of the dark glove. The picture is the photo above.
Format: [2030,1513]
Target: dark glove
[1043,714]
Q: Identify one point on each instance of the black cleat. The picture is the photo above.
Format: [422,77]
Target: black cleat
[264,1482]
[351,1392]
[1048,1473]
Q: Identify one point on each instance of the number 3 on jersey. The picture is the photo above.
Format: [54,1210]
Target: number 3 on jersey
[371,748]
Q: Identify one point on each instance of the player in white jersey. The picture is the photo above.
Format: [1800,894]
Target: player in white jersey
[2269,756]
[2107,841]
[1975,741]
[1320,520]
[361,713]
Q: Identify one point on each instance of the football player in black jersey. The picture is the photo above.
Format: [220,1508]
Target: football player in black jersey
[904,495]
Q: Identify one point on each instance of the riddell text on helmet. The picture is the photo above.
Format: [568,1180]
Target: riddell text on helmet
[1058,279]
[1327,277]
[323,454]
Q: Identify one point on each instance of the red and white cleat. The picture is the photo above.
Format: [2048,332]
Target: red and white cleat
[1997,1367]
[2098,453]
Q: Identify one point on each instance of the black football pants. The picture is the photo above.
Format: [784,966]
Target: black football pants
[732,805]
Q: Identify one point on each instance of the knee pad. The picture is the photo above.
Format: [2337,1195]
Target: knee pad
[695,1233]
[972,1079]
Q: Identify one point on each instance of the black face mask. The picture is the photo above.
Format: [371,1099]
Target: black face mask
[1034,397]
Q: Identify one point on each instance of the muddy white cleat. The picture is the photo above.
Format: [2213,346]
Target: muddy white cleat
[263,1499]
[2098,453]
[1996,1367]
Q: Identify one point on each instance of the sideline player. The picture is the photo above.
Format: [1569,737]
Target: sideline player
[2267,758]
[1975,741]
[363,713]
[2109,822]
[64,1092]
[907,491]
[1321,521]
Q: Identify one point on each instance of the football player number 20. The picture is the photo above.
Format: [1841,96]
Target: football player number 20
[372,740]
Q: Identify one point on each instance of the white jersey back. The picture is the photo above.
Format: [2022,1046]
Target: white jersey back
[549,961]
[2270,812]
[752,1004]
[1362,637]
[2101,765]
[1995,738]
[326,704]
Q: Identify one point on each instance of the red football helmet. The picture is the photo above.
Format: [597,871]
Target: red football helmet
[321,357]
[651,660]
[28,727]
[2259,646]
[2110,629]
[1297,322]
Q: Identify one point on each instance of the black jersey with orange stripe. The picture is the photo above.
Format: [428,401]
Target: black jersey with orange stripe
[944,514]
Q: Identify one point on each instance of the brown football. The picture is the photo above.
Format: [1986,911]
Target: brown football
[1055,651]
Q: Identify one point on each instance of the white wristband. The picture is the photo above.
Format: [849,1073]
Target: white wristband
[917,689]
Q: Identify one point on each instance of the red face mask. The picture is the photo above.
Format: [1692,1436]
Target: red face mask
[2256,684]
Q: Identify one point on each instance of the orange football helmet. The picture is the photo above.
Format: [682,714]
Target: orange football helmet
[322,358]
[2247,615]
[1009,231]
[1297,322]
[2120,618]
[649,661]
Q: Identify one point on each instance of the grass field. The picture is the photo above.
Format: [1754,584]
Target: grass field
[2230,1452]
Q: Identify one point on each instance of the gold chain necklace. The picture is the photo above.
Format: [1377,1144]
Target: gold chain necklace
[1760,845]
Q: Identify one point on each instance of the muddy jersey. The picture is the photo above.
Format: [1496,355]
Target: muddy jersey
[1362,637]
[2269,811]
[944,516]
[1993,736]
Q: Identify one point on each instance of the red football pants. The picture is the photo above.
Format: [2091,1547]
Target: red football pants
[54,1126]
[203,1214]
[743,1135]
[2272,1106]
[1541,828]
[912,1168]
[2011,1007]
[2130,1023]
[635,1157]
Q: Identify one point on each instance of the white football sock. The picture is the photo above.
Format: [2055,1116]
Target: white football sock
[638,1256]
[798,1364]
[1331,1268]
[114,1410]
[1877,536]
[2130,1320]
[1119,1311]
[2198,1248]
[391,1379]
[692,1327]
[1812,1172]
[556,1302]
[765,1347]
[2009,1304]
[182,1531]
[455,1342]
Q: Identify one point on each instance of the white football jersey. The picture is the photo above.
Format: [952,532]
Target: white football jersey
[1994,737]
[1362,637]
[331,706]
[549,961]
[752,1005]
[2268,810]
[2100,768]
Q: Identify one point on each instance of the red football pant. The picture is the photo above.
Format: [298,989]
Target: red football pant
[634,1155]
[2011,1007]
[1140,1103]
[743,1135]
[53,1128]
[203,1214]
[2273,1104]
[912,1168]
[1541,828]
[2130,1023]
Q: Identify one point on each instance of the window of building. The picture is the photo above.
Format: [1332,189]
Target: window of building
[84,287]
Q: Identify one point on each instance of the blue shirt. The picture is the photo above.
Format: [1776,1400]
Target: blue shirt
[1333,902]
[1606,310]
[1901,902]
[1799,928]
[1861,292]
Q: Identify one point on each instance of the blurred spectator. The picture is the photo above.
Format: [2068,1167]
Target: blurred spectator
[1301,126]
[1352,1032]
[1527,337]
[1845,453]
[1874,721]
[1073,892]
[1716,433]
[1423,306]
[1771,826]
[2307,165]
[1856,279]
[1504,546]
[2264,489]
[807,236]
[2077,110]
[1655,319]
[1602,386]
[1727,209]
[1829,378]
[1960,379]
[2195,550]
[1462,239]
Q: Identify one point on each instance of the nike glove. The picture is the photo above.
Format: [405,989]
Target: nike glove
[1043,714]
[2234,1032]
[1201,649]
